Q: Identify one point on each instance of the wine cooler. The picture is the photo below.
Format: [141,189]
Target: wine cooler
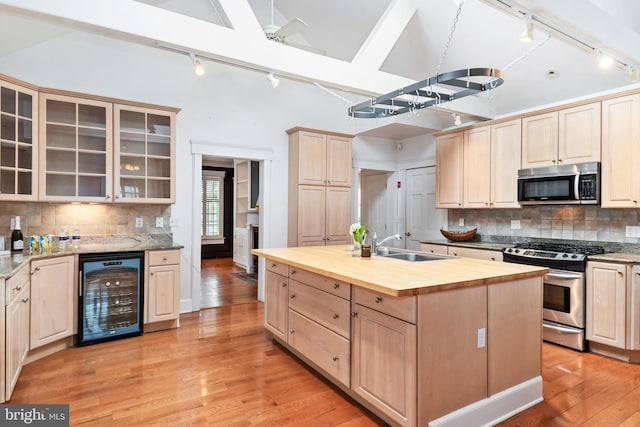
[111,296]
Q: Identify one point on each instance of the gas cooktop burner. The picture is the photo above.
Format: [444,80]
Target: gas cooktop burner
[557,255]
[568,248]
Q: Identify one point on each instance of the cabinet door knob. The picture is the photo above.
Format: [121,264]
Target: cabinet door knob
[354,314]
[336,286]
[378,300]
[292,296]
[335,315]
[34,270]
[273,264]
[25,299]
[151,274]
[17,288]
[292,331]
[335,358]
[164,258]
[284,284]
[620,272]
[293,272]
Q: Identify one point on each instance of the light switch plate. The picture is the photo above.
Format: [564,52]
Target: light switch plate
[515,224]
[159,222]
[461,222]
[139,223]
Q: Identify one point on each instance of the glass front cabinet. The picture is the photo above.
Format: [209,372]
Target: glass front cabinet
[75,149]
[144,160]
[18,139]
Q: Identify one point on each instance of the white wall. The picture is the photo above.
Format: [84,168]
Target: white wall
[229,106]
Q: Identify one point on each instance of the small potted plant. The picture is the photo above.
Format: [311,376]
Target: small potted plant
[359,234]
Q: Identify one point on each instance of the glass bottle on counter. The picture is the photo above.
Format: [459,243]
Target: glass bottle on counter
[17,240]
[64,237]
[75,237]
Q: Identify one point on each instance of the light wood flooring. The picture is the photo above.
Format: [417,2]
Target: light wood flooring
[221,286]
[220,368]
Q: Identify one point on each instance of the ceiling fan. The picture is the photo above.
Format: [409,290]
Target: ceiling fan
[279,34]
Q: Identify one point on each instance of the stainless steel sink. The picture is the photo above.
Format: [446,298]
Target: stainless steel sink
[413,256]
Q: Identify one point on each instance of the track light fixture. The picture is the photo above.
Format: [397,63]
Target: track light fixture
[456,119]
[273,80]
[604,60]
[198,68]
[634,74]
[527,34]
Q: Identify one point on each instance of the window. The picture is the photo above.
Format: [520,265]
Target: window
[212,205]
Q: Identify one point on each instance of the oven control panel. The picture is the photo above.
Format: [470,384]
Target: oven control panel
[539,254]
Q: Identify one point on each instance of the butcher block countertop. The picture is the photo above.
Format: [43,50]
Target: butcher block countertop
[399,277]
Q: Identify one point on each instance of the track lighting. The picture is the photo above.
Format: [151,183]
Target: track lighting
[527,34]
[198,68]
[273,80]
[633,75]
[604,60]
[456,119]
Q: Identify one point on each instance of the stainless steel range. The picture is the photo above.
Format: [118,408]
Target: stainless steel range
[564,287]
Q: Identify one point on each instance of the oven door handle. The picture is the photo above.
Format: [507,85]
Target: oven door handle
[556,275]
[561,329]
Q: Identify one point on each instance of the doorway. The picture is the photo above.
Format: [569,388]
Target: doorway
[423,220]
[374,202]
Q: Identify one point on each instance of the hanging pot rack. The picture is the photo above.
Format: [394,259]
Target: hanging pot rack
[427,93]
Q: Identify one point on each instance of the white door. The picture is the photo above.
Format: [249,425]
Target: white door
[374,204]
[423,219]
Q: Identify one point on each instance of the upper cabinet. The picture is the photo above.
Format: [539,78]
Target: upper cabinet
[567,136]
[144,155]
[320,158]
[75,149]
[478,168]
[18,142]
[620,186]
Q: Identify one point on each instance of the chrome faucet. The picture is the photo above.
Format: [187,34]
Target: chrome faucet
[376,245]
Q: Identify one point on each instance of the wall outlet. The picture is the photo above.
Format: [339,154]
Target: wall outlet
[461,222]
[139,223]
[482,337]
[159,222]
[515,224]
[632,231]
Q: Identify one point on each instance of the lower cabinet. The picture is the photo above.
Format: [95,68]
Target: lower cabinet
[487,254]
[276,299]
[162,296]
[53,300]
[18,299]
[384,363]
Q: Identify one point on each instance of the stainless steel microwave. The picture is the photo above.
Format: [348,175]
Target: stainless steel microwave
[563,184]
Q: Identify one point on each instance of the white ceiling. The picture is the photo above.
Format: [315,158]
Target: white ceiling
[485,36]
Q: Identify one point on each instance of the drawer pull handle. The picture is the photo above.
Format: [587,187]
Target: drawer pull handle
[378,300]
[335,315]
[34,270]
[164,258]
[17,288]
[273,264]
[293,272]
[335,358]
[354,314]
[336,286]
[25,299]
[292,296]
[284,284]
[292,331]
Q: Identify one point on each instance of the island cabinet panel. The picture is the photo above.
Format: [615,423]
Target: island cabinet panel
[404,308]
[53,299]
[329,310]
[324,283]
[276,298]
[384,363]
[514,327]
[326,349]
[452,366]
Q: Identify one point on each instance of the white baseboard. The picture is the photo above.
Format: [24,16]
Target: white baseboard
[497,408]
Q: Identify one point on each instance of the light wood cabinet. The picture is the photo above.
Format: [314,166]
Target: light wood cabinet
[506,149]
[53,299]
[433,249]
[19,135]
[567,136]
[17,314]
[145,155]
[620,185]
[162,289]
[76,155]
[487,254]
[476,165]
[606,303]
[276,299]
[449,171]
[319,188]
[384,363]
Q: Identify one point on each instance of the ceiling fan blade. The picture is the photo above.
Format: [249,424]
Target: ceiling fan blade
[305,47]
[294,26]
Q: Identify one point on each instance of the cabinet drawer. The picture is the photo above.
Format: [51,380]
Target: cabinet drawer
[328,310]
[327,284]
[433,249]
[403,308]
[487,254]
[277,267]
[164,257]
[16,283]
[326,349]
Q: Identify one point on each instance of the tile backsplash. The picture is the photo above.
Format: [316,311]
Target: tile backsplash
[590,223]
[92,219]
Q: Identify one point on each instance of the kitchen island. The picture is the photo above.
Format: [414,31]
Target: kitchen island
[443,342]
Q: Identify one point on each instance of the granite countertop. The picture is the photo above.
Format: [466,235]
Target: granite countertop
[494,246]
[9,264]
